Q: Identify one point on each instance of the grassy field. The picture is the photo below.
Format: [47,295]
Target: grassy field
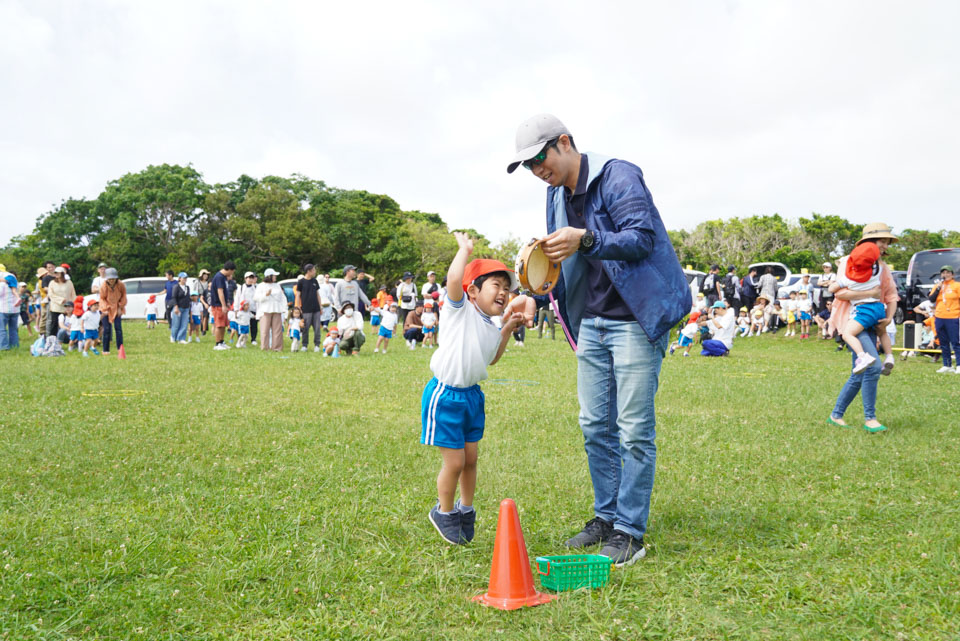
[244,495]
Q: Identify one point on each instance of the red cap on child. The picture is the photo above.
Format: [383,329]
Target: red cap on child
[861,261]
[483,266]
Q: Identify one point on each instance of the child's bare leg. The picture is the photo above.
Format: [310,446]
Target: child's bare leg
[885,342]
[468,477]
[453,464]
[850,332]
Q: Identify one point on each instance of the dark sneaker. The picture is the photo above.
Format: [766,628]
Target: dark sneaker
[448,525]
[468,519]
[623,549]
[594,532]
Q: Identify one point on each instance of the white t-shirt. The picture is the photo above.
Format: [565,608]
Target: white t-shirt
[388,320]
[926,306]
[231,316]
[788,304]
[429,319]
[196,309]
[804,304]
[66,322]
[407,289]
[743,321]
[468,344]
[150,308]
[727,329]
[91,320]
[873,281]
[425,292]
[690,330]
[330,340]
[293,323]
[96,283]
[243,318]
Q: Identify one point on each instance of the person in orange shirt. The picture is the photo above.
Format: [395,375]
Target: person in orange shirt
[946,296]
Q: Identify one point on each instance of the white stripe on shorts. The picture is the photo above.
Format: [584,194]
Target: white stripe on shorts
[432,413]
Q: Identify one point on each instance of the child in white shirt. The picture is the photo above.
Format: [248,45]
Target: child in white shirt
[294,325]
[151,311]
[688,334]
[196,315]
[429,320]
[331,344]
[243,323]
[90,322]
[804,313]
[232,324]
[789,306]
[743,322]
[388,321]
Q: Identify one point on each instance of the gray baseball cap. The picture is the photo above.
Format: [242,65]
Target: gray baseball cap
[533,134]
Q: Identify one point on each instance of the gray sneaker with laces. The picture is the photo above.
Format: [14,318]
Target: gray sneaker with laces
[596,531]
[448,525]
[623,549]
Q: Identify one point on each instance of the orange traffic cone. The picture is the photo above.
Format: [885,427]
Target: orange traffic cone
[511,581]
[122,355]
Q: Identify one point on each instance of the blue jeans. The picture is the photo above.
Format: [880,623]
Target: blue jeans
[864,383]
[9,331]
[107,327]
[617,376]
[179,323]
[948,333]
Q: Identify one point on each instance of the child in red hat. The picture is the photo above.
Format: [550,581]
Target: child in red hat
[863,274]
[429,320]
[90,323]
[151,311]
[452,406]
[76,324]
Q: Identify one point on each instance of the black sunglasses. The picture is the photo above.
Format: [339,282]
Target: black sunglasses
[539,158]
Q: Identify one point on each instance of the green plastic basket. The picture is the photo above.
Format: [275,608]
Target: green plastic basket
[573,571]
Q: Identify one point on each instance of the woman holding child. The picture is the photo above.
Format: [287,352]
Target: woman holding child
[864,382]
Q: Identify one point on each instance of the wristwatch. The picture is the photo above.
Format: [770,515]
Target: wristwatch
[587,241]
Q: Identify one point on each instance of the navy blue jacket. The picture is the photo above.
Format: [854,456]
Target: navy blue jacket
[632,243]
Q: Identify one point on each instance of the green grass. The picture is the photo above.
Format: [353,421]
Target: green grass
[258,496]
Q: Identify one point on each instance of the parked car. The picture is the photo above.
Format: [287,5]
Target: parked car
[694,280]
[288,284]
[140,289]
[902,313]
[793,284]
[780,271]
[924,271]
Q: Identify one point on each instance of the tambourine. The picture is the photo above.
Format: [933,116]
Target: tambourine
[537,273]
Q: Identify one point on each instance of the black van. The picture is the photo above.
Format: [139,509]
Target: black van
[924,272]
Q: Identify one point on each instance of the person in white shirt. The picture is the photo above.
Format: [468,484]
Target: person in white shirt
[790,307]
[150,309]
[429,320]
[247,292]
[196,316]
[688,334]
[350,324]
[98,280]
[452,413]
[243,323]
[406,296]
[388,321]
[90,321]
[271,307]
[331,344]
[823,284]
[804,313]
[723,326]
[429,287]
[743,322]
[294,325]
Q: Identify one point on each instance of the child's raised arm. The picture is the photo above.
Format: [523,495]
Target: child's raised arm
[457,266]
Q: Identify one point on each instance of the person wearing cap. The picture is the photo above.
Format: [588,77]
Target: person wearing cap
[388,322]
[9,310]
[271,307]
[246,293]
[946,296]
[768,285]
[61,293]
[331,344]
[348,291]
[620,292]
[430,286]
[220,302]
[150,310]
[687,335]
[178,300]
[26,308]
[307,297]
[90,326]
[203,287]
[350,324]
[429,320]
[823,285]
[98,279]
[864,383]
[721,322]
[406,295]
[113,305]
[452,404]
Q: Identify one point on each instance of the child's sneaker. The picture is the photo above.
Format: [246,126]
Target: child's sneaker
[85,355]
[672,349]
[863,362]
[96,351]
[687,354]
[376,349]
[888,364]
[468,518]
[448,525]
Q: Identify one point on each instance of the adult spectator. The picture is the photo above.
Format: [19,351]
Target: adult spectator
[430,286]
[271,307]
[348,291]
[180,310]
[768,285]
[113,305]
[621,290]
[545,316]
[98,279]
[823,285]
[823,320]
[946,297]
[203,288]
[307,298]
[220,303]
[168,292]
[711,288]
[750,289]
[731,288]
[350,325]
[61,293]
[363,282]
[247,292]
[413,326]
[722,324]
[327,295]
[50,274]
[9,310]
[865,382]
[407,296]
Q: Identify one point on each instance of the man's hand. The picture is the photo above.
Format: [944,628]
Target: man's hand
[464,241]
[562,243]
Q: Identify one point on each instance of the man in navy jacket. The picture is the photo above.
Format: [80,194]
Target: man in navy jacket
[621,290]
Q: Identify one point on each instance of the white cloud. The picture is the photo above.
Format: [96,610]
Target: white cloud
[730,109]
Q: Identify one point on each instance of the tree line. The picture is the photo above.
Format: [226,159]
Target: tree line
[168,217]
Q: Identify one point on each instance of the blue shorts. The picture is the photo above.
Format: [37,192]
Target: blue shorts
[451,416]
[684,341]
[867,314]
[233,326]
[152,317]
[805,316]
[429,330]
[295,334]
[91,334]
[76,335]
[374,320]
[386,333]
[244,329]
[195,320]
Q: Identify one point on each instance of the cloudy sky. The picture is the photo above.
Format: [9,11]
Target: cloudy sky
[731,108]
